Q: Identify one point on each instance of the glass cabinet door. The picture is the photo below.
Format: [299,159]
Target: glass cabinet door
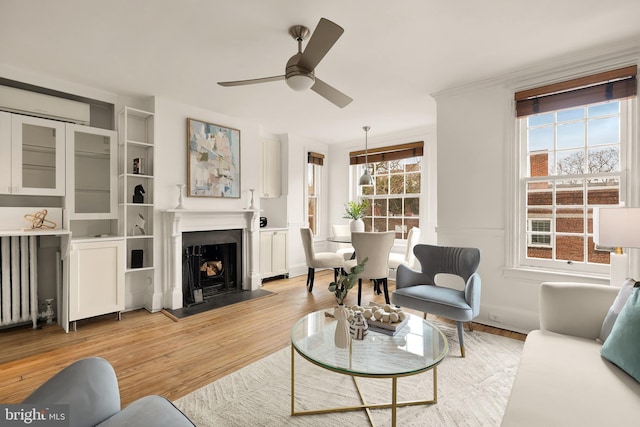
[91,173]
[38,157]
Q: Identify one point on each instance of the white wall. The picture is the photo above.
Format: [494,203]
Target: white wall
[471,203]
[296,149]
[171,169]
[475,185]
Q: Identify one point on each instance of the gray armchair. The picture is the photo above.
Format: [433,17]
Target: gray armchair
[90,388]
[418,290]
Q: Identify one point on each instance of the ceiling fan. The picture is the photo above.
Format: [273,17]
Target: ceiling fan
[299,72]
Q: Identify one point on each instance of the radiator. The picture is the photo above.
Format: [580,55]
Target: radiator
[18,274]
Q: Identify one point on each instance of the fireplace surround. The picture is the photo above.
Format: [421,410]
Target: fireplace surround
[180,222]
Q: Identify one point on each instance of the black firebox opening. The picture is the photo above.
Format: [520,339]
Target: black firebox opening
[211,265]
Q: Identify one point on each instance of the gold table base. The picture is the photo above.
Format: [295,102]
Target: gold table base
[394,405]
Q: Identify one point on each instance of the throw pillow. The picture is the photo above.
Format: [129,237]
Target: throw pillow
[614,311]
[621,348]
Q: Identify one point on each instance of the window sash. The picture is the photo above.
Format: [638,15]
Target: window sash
[388,211]
[524,233]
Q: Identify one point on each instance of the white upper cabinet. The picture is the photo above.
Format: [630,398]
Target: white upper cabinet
[271,169]
[32,156]
[92,181]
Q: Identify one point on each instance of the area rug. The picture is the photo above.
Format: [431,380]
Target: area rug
[471,392]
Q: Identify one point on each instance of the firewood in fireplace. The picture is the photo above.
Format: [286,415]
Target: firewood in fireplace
[211,268]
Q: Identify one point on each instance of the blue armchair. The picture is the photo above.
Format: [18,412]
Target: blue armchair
[418,290]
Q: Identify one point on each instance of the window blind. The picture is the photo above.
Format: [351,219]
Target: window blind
[315,158]
[609,85]
[393,152]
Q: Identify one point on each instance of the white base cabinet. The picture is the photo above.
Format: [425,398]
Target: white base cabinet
[96,278]
[273,253]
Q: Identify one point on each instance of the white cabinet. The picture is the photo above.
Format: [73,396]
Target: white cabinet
[137,189]
[273,253]
[32,156]
[271,183]
[96,278]
[96,264]
[92,161]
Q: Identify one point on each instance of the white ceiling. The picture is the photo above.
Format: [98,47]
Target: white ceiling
[391,57]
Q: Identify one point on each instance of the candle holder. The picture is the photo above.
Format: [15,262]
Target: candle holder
[251,205]
[180,195]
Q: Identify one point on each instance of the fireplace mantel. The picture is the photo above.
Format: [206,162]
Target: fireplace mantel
[178,221]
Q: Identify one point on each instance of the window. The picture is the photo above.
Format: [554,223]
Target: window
[394,197]
[314,167]
[572,160]
[540,235]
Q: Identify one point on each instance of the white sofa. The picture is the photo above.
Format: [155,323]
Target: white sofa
[562,380]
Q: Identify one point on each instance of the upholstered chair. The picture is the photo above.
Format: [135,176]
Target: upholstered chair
[407,258]
[375,247]
[418,290]
[90,389]
[344,249]
[318,259]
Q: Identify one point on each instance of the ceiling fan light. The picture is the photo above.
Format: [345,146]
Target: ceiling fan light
[300,82]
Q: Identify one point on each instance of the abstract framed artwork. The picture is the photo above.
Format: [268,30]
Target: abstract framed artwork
[213,160]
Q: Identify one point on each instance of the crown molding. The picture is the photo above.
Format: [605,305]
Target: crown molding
[584,62]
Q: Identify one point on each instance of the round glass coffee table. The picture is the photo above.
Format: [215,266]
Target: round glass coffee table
[418,347]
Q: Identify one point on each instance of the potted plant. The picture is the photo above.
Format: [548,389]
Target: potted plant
[346,282]
[355,211]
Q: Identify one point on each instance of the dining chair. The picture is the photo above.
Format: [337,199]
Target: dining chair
[344,249]
[418,290]
[318,259]
[375,247]
[407,258]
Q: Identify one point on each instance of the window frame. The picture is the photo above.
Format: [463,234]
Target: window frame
[358,169]
[530,235]
[520,235]
[317,186]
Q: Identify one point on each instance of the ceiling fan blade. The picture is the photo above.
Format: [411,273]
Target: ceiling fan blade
[330,93]
[322,39]
[251,81]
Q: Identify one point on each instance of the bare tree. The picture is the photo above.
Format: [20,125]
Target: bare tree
[598,161]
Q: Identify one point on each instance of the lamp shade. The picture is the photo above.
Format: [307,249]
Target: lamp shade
[300,82]
[616,227]
[366,179]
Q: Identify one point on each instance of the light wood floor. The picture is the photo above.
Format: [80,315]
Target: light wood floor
[153,354]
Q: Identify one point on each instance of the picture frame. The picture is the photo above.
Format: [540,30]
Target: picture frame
[213,160]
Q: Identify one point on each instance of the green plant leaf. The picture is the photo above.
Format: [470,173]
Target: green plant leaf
[355,210]
[346,281]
